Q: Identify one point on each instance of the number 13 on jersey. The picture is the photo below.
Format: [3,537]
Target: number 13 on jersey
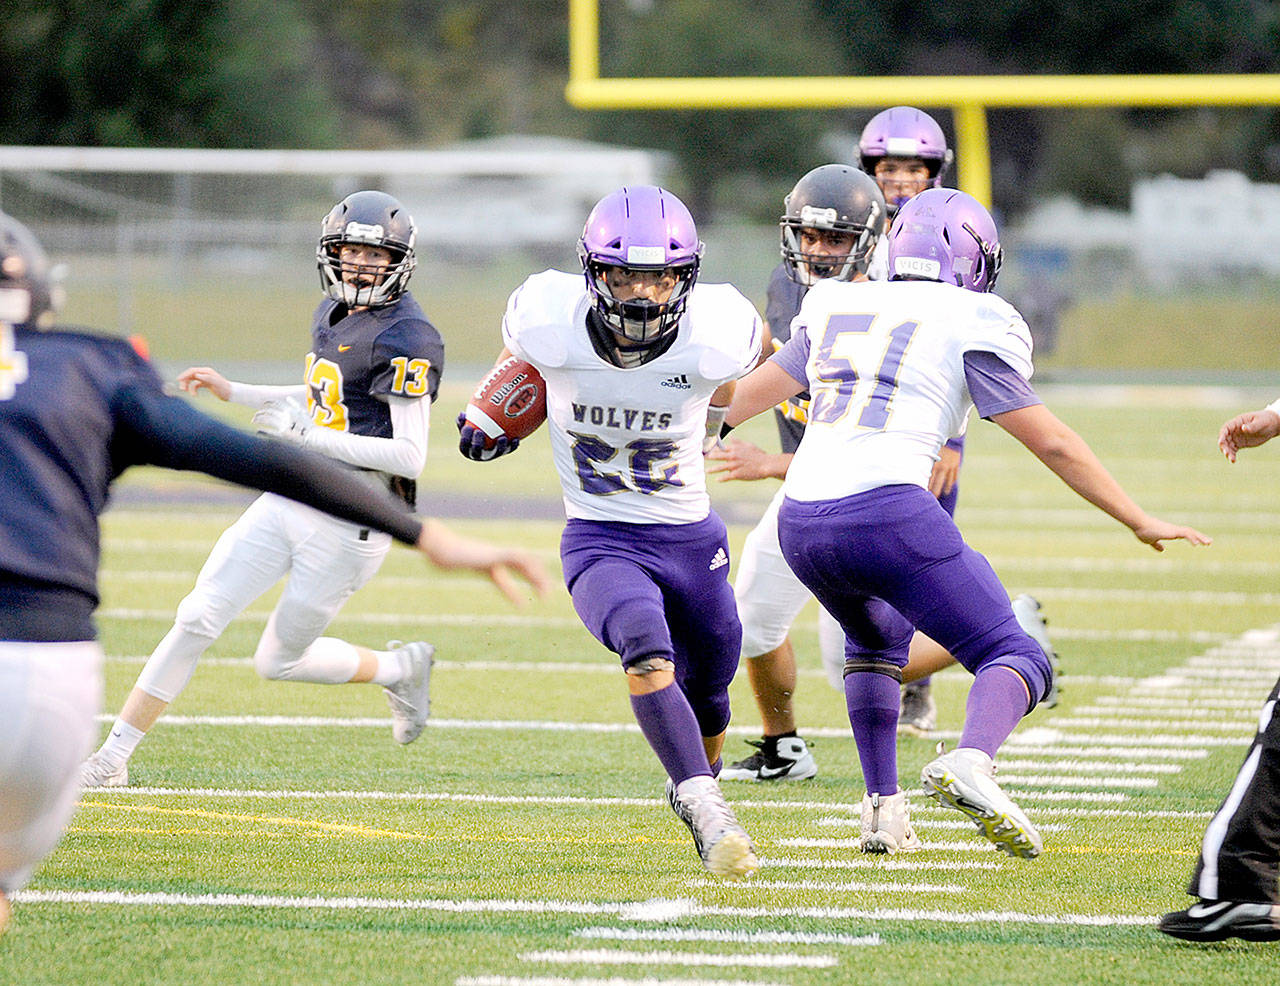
[839,378]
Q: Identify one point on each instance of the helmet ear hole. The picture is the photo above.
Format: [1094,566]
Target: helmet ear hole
[946,235]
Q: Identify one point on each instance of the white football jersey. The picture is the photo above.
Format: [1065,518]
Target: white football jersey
[627,442]
[886,378]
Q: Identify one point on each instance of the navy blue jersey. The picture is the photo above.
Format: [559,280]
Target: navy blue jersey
[358,359]
[783,304]
[76,410]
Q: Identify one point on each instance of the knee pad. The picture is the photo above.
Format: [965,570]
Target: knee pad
[289,632]
[1032,668]
[205,612]
[711,709]
[637,632]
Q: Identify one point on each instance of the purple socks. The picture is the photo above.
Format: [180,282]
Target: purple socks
[997,702]
[873,701]
[667,722]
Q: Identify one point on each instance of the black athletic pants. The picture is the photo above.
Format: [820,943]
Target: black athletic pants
[1240,856]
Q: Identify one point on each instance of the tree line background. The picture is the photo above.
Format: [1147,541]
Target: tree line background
[410,73]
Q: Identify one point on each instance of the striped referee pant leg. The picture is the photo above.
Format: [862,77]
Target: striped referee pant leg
[1240,855]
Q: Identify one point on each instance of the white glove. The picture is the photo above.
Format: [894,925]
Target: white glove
[286,419]
[715,418]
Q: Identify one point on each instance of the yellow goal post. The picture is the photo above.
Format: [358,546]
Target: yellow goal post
[969,96]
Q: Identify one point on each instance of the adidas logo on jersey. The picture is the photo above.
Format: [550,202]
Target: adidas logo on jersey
[719,560]
[679,382]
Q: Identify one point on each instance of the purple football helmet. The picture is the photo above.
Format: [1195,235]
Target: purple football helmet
[639,228]
[945,235]
[906,132]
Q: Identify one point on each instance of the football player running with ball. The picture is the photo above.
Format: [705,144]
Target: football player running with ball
[367,387]
[893,369]
[640,363]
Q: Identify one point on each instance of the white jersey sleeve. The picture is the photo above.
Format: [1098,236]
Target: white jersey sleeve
[887,379]
[627,442]
[995,326]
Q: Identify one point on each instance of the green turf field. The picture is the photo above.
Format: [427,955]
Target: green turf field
[276,833]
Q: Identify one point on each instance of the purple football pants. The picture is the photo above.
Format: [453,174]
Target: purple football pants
[661,591]
[890,560]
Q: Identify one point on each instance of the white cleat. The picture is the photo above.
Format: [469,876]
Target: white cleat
[886,824]
[964,779]
[785,759]
[97,771]
[722,843]
[410,698]
[1031,618]
[918,714]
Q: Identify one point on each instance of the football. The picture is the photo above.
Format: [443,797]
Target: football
[510,401]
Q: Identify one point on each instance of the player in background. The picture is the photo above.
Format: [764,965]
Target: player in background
[906,151]
[831,221]
[893,370]
[1235,879]
[640,364]
[368,383]
[76,410]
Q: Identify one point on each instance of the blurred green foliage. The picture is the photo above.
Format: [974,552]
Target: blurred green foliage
[312,73]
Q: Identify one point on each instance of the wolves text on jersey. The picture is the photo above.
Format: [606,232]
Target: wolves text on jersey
[630,419]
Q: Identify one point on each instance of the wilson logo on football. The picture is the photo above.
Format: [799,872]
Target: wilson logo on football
[521,400]
[505,389]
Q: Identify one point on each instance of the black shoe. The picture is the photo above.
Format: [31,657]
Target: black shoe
[1217,920]
[786,758]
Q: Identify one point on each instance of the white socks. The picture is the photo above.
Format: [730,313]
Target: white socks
[121,742]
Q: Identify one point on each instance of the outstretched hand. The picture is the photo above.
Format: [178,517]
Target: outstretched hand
[1155,531]
[193,378]
[471,442]
[503,566]
[742,460]
[1248,430]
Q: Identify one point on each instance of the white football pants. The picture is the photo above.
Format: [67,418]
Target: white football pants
[770,598]
[49,696]
[326,561]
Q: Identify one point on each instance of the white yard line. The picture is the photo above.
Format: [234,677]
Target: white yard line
[1050,762]
[1107,722]
[422,617]
[1016,745]
[945,822]
[843,886]
[1125,703]
[918,803]
[622,909]
[611,981]
[725,935]
[620,956]
[877,863]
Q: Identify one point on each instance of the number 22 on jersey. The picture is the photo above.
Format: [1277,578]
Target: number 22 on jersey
[839,377]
